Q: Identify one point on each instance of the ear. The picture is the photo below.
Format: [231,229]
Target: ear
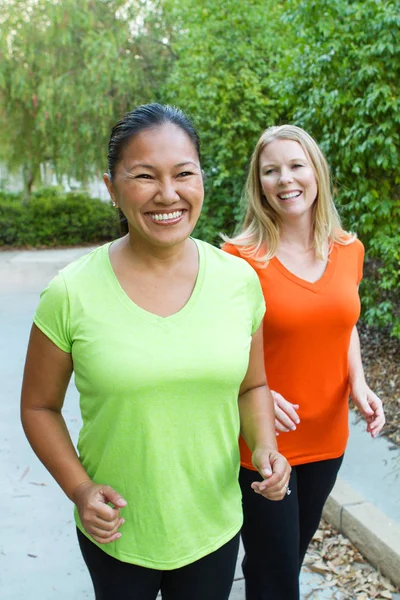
[111,190]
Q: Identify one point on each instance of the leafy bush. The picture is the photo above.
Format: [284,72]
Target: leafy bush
[341,85]
[329,66]
[53,218]
[221,78]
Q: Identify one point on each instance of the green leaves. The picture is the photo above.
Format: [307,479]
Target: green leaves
[341,85]
[221,78]
[54,218]
[68,71]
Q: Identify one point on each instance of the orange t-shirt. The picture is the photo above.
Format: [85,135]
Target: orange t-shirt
[307,329]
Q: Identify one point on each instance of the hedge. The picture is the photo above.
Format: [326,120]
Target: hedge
[54,218]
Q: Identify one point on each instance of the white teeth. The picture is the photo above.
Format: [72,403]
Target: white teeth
[166,216]
[289,195]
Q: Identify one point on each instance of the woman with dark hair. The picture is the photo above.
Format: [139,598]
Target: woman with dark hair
[309,269]
[163,334]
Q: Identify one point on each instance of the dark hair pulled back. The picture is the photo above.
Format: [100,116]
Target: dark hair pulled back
[147,116]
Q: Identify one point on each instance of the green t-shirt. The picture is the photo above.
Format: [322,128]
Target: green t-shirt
[159,400]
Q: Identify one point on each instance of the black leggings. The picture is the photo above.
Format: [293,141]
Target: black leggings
[276,534]
[209,578]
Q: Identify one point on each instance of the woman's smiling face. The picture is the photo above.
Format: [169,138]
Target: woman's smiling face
[158,185]
[287,179]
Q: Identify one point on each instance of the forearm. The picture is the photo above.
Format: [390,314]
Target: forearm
[257,418]
[49,437]
[356,371]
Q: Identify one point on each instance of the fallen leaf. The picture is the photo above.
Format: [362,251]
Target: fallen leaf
[318,567]
[25,473]
[347,572]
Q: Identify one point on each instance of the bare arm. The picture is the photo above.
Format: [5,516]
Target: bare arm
[286,416]
[257,419]
[47,373]
[363,397]
[356,370]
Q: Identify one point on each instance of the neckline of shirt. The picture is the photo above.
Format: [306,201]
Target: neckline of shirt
[314,286]
[145,314]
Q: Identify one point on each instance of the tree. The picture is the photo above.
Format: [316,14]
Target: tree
[225,54]
[330,66]
[68,70]
[341,84]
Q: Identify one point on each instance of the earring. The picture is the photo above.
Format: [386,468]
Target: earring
[114,204]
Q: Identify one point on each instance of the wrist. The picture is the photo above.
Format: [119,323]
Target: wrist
[356,379]
[78,488]
[266,448]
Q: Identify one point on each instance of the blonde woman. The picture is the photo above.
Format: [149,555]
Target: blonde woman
[309,269]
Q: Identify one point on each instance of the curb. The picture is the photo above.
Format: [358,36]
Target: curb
[372,532]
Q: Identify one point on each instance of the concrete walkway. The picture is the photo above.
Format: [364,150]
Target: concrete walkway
[39,556]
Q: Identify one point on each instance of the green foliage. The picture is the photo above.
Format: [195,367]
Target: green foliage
[341,84]
[68,71]
[221,78]
[330,66]
[52,218]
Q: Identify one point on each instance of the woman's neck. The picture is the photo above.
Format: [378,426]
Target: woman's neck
[295,234]
[155,258]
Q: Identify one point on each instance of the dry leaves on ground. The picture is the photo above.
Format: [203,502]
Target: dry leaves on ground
[330,553]
[343,567]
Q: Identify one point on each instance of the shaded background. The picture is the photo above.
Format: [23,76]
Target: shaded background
[69,70]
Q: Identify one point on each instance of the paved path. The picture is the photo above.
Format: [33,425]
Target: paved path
[39,557]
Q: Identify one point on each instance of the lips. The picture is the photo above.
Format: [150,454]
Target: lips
[289,195]
[165,217]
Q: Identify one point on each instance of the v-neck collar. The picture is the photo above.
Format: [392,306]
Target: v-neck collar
[141,312]
[315,286]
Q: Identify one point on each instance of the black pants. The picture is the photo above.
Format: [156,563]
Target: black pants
[276,534]
[209,578]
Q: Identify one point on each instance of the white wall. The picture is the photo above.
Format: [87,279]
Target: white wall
[14,182]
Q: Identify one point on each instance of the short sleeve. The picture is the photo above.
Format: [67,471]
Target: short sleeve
[360,260]
[255,299]
[231,249]
[52,315]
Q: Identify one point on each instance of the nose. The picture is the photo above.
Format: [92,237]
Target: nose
[167,193]
[285,176]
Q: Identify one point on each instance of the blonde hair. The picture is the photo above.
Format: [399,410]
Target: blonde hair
[261,224]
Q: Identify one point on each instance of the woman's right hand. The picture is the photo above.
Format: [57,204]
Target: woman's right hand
[99,520]
[286,417]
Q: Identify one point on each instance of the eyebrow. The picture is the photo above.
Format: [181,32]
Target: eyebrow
[187,162]
[142,166]
[182,164]
[269,164]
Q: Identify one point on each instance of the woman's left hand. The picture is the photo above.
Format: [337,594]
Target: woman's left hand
[276,472]
[370,407]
